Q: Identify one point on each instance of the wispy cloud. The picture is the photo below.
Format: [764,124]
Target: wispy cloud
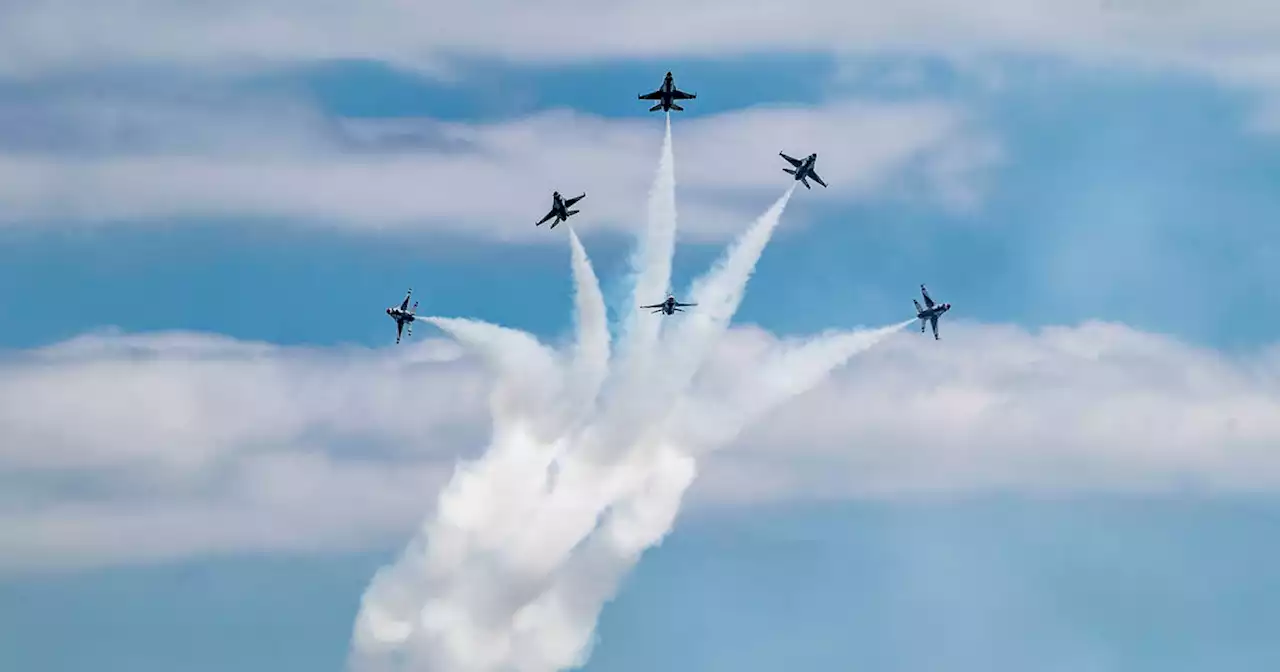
[83,161]
[38,37]
[125,448]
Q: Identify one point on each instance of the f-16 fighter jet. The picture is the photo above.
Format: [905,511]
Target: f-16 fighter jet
[560,209]
[403,315]
[670,306]
[930,312]
[803,169]
[667,94]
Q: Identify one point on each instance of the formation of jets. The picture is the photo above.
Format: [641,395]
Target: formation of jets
[803,170]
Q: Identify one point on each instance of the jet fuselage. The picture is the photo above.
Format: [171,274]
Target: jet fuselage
[558,207]
[937,310]
[400,315]
[806,168]
[667,94]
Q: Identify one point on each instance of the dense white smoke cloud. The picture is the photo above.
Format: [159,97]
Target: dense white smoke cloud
[590,458]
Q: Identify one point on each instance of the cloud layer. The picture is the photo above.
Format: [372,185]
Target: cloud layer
[131,161]
[1230,37]
[127,448]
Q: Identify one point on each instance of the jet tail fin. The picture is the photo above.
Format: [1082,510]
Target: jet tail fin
[655,108]
[414,309]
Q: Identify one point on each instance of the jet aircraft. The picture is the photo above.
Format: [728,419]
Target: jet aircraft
[560,209]
[667,94]
[403,315]
[670,306]
[930,312]
[803,169]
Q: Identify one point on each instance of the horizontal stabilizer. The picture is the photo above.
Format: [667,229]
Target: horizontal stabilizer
[677,107]
[788,171]
[655,108]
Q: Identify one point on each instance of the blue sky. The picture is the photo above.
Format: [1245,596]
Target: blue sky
[1143,197]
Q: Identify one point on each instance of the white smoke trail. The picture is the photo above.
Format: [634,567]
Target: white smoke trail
[486,496]
[651,262]
[712,418]
[556,630]
[480,507]
[654,390]
[511,571]
[483,511]
[719,293]
[591,360]
[529,378]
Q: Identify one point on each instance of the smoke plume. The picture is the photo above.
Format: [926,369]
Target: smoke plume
[590,456]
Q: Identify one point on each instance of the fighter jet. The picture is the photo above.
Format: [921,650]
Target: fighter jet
[667,94]
[560,209]
[670,306]
[803,169]
[930,312]
[403,315]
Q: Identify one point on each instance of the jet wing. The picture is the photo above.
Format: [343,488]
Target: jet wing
[677,94]
[928,300]
[574,200]
[404,305]
[656,305]
[815,178]
[685,304]
[792,161]
[549,216]
[933,320]
[656,95]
